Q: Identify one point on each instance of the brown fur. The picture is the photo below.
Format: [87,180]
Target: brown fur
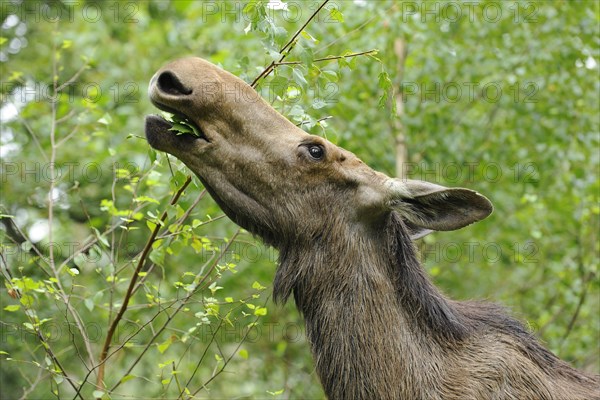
[408,341]
[378,328]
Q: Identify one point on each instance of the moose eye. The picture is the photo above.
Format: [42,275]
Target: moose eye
[316,152]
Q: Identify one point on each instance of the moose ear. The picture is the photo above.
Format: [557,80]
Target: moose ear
[427,207]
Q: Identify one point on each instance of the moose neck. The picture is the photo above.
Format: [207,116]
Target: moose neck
[370,311]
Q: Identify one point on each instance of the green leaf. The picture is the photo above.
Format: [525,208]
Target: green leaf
[386,84]
[26,300]
[152,154]
[79,260]
[26,246]
[101,237]
[306,55]
[182,5]
[331,76]
[244,354]
[15,76]
[213,288]
[318,103]
[165,345]
[280,35]
[127,378]
[308,36]
[260,311]
[151,225]
[384,80]
[181,128]
[167,363]
[157,256]
[12,308]
[336,15]
[296,111]
[105,120]
[146,199]
[250,10]
[258,286]
[299,78]
[89,303]
[182,125]
[279,85]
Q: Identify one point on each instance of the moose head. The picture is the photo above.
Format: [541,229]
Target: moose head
[277,181]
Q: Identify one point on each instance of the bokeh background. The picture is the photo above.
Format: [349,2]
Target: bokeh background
[498,96]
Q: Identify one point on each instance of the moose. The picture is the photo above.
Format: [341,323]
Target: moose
[377,326]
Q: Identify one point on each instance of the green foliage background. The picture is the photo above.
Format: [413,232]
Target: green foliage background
[501,97]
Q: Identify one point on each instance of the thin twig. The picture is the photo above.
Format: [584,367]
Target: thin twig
[72,79]
[17,236]
[344,36]
[317,121]
[586,278]
[33,136]
[288,46]
[51,245]
[66,117]
[177,224]
[93,240]
[52,167]
[40,336]
[330,58]
[184,302]
[32,385]
[582,297]
[118,348]
[240,305]
[69,136]
[173,234]
[233,353]
[132,284]
[210,342]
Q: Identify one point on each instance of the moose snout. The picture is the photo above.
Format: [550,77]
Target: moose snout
[168,92]
[169,83]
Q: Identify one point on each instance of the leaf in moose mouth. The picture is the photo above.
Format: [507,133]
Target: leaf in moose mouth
[183,126]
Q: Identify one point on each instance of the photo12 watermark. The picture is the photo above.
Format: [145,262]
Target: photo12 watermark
[472,171]
[127,92]
[474,251]
[70,11]
[453,11]
[293,11]
[453,92]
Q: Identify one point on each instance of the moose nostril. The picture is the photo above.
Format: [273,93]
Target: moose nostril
[169,83]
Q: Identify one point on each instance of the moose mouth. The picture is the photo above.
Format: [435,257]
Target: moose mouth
[180,124]
[176,134]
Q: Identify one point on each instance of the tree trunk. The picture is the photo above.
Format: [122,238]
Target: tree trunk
[400,49]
